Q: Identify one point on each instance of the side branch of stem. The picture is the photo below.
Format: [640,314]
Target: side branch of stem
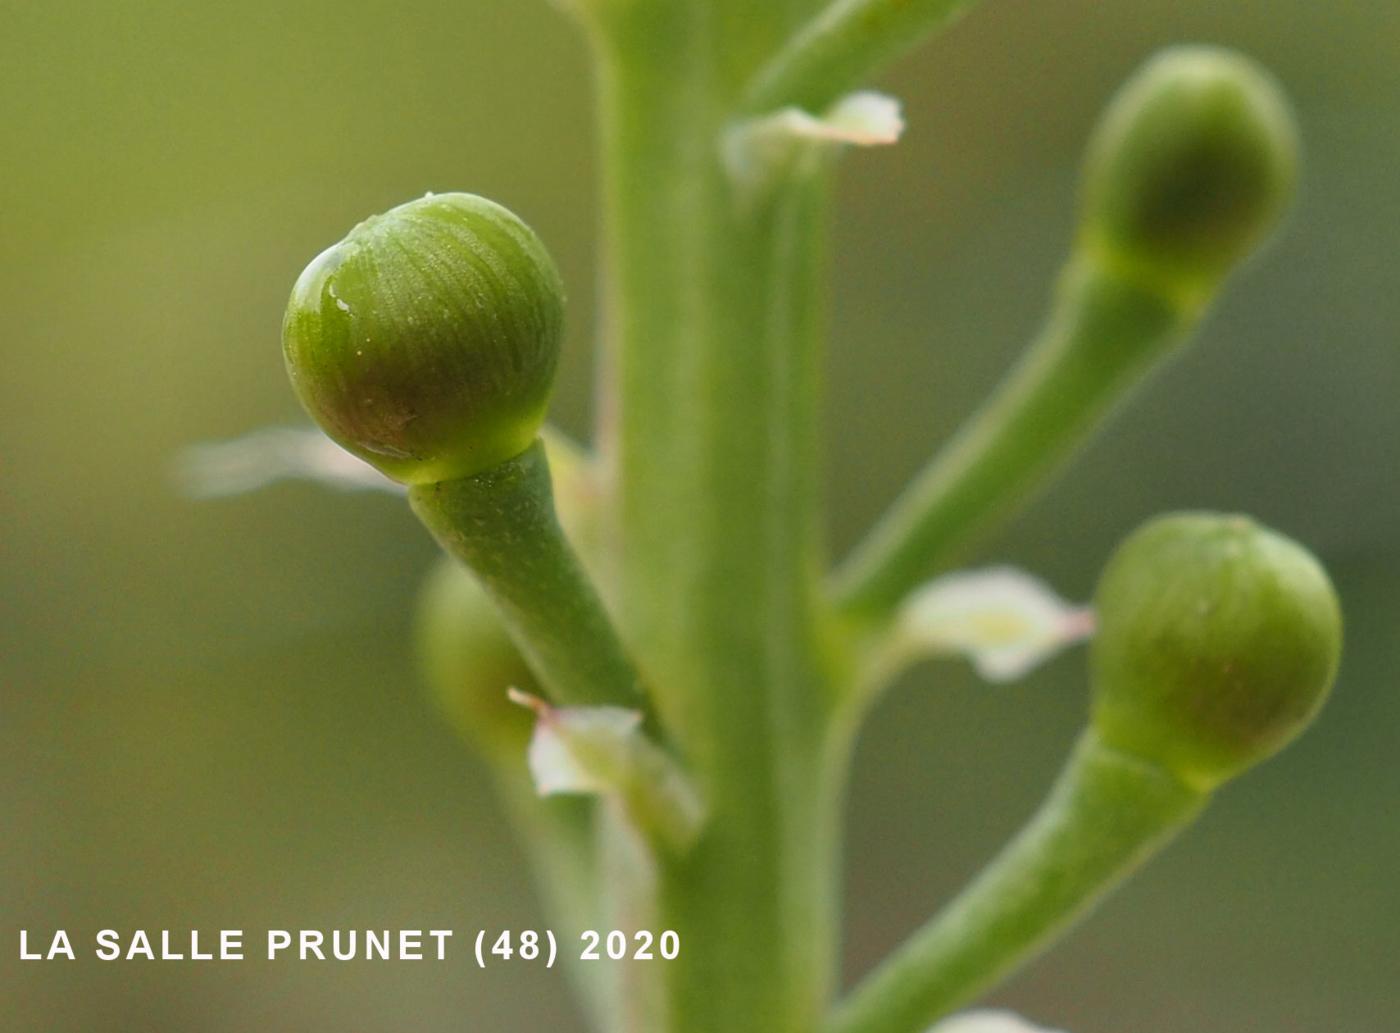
[1105,816]
[502,525]
[840,48]
[1103,334]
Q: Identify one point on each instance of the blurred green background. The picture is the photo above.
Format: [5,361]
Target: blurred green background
[208,711]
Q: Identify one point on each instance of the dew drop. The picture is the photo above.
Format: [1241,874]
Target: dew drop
[340,302]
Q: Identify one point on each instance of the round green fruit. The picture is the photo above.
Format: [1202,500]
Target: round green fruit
[426,341]
[1189,170]
[1218,641]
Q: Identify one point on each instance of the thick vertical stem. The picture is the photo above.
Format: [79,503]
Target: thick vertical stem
[713,333]
[760,892]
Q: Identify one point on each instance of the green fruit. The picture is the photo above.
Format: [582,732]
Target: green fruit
[426,341]
[1191,167]
[469,661]
[1218,641]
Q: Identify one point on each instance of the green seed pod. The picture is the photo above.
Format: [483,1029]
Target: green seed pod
[469,661]
[426,341]
[1218,641]
[1191,167]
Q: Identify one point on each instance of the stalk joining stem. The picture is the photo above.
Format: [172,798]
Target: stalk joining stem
[502,525]
[1105,816]
[842,47]
[1104,333]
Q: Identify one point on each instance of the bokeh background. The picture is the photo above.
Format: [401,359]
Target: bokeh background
[209,714]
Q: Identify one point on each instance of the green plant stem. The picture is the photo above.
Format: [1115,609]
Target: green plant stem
[1106,815]
[502,525]
[626,890]
[557,834]
[843,46]
[1105,331]
[761,892]
[713,329]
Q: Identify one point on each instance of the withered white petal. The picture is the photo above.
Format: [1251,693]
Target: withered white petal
[603,751]
[1003,620]
[217,468]
[758,147]
[578,749]
[991,1021]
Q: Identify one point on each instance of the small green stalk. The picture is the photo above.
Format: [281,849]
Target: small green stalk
[1189,170]
[558,835]
[1219,642]
[502,525]
[1107,813]
[843,46]
[470,665]
[1104,333]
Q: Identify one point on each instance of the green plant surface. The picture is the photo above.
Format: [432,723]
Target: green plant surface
[209,713]
[718,716]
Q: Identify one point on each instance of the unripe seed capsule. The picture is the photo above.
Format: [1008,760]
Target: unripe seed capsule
[469,661]
[426,341]
[1218,641]
[1191,167]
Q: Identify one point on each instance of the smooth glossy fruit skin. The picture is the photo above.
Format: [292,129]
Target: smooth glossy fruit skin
[426,341]
[1218,641]
[1192,165]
